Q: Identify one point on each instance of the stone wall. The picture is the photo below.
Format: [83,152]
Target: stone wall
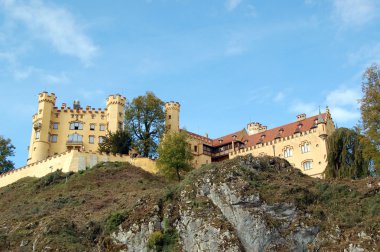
[72,161]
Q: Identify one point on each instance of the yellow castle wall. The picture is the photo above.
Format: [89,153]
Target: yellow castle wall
[47,115]
[317,153]
[72,161]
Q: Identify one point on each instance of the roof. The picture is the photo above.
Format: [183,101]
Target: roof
[265,136]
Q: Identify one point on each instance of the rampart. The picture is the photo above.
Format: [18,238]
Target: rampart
[74,161]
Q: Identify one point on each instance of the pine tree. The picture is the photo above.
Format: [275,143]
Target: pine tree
[370,111]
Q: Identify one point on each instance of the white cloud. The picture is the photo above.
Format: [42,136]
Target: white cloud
[354,12]
[232,4]
[53,24]
[343,104]
[279,97]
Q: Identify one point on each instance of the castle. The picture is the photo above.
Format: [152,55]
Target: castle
[302,142]
[56,130]
[67,139]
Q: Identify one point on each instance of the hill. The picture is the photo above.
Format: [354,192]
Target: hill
[244,204]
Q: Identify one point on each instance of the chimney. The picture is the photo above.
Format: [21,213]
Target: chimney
[206,135]
[301,117]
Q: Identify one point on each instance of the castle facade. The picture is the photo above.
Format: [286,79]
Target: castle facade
[56,130]
[301,142]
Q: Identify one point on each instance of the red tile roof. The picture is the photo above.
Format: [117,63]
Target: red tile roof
[265,136]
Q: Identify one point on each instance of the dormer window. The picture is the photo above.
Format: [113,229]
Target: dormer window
[220,140]
[262,137]
[299,125]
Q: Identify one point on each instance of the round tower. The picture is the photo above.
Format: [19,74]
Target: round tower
[39,146]
[115,110]
[172,110]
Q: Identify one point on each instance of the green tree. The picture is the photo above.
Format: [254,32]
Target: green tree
[345,155]
[6,150]
[174,154]
[145,119]
[118,142]
[370,111]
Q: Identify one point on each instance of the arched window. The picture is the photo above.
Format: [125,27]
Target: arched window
[76,126]
[307,165]
[305,147]
[288,151]
[75,138]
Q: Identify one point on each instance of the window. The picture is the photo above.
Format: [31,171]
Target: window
[53,138]
[120,114]
[37,134]
[102,127]
[76,126]
[170,116]
[92,126]
[56,115]
[101,139]
[305,147]
[75,138]
[307,165]
[102,117]
[91,139]
[288,152]
[92,116]
[55,125]
[120,125]
[195,148]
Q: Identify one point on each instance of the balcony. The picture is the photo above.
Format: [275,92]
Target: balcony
[74,143]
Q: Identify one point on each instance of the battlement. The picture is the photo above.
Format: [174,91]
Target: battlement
[172,105]
[255,127]
[88,109]
[45,97]
[116,99]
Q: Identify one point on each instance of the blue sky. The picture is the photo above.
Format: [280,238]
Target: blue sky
[228,62]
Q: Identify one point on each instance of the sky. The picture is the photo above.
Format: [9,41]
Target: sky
[228,62]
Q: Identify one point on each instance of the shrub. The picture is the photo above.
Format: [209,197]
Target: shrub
[113,221]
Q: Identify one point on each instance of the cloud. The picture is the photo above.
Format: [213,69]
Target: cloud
[279,97]
[232,4]
[354,12]
[53,24]
[343,104]
[366,54]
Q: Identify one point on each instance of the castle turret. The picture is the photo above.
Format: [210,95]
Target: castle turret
[39,142]
[172,110]
[115,110]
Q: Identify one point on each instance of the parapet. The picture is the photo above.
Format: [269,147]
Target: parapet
[45,97]
[116,99]
[172,105]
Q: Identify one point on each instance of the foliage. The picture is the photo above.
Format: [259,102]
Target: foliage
[6,150]
[164,241]
[145,118]
[370,111]
[113,221]
[174,154]
[118,142]
[345,155]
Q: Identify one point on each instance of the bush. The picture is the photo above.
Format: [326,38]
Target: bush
[113,221]
[156,240]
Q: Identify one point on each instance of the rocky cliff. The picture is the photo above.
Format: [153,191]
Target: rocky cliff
[245,204]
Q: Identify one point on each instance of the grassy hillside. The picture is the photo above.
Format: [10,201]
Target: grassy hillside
[77,212]
[72,211]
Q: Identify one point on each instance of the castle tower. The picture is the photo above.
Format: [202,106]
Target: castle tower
[172,110]
[39,142]
[115,109]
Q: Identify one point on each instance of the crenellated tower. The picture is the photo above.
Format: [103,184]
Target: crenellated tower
[172,110]
[39,142]
[115,110]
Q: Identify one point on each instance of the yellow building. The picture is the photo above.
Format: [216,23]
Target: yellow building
[56,130]
[302,142]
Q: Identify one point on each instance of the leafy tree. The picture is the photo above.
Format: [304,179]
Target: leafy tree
[145,118]
[174,154]
[118,142]
[370,111]
[6,150]
[345,155]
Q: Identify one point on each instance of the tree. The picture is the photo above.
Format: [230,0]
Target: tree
[145,118]
[174,154]
[345,155]
[6,150]
[370,111]
[118,142]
